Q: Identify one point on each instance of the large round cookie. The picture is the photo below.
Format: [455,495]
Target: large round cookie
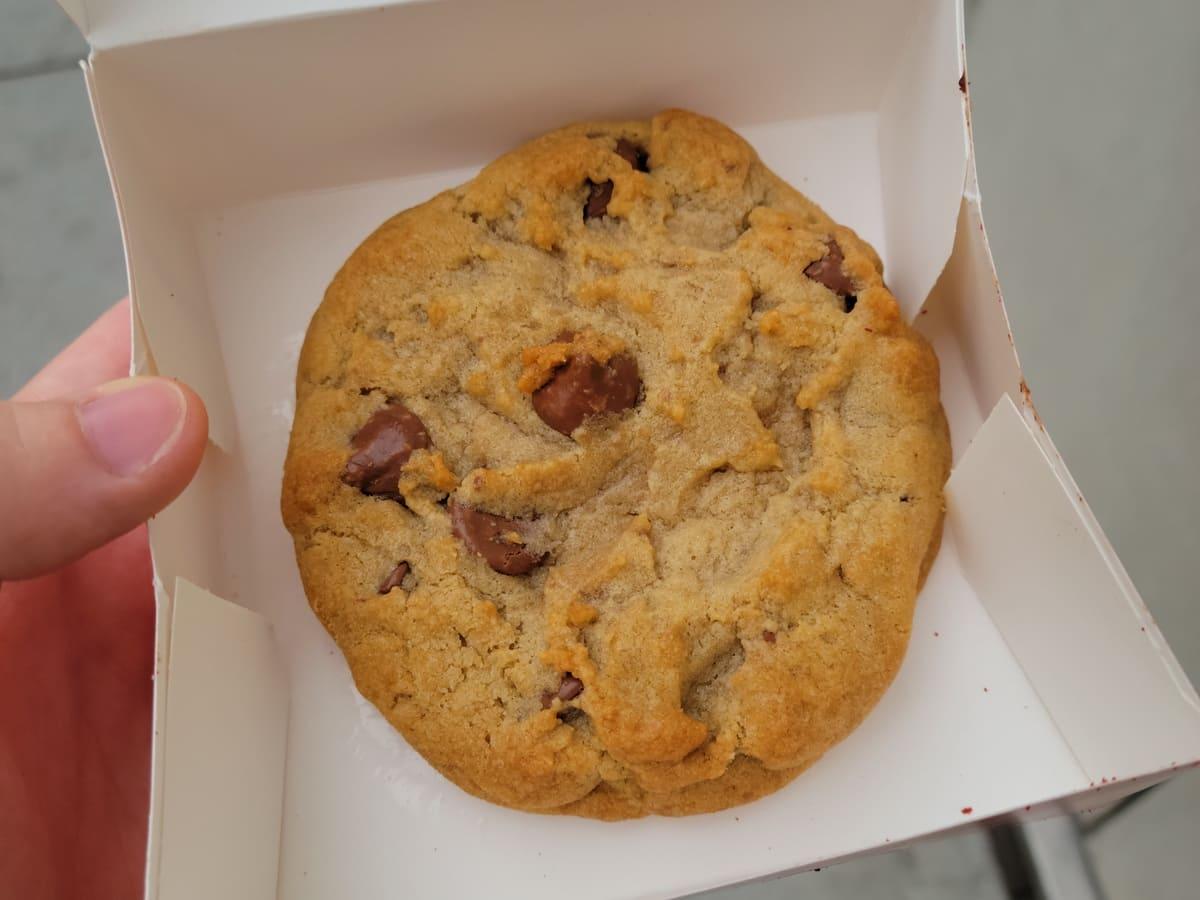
[615,472]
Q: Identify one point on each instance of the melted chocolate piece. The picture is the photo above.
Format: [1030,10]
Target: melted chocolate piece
[582,388]
[633,154]
[494,538]
[382,447]
[597,201]
[828,271]
[568,689]
[394,578]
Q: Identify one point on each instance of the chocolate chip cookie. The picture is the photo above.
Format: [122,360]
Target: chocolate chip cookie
[615,472]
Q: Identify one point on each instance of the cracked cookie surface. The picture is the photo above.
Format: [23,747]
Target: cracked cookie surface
[615,472]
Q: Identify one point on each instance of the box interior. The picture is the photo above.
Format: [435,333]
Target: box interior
[245,173]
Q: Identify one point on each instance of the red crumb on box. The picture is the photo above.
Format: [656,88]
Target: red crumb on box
[967,810]
[1028,808]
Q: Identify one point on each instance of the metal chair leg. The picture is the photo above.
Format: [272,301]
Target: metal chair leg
[1094,824]
[1045,861]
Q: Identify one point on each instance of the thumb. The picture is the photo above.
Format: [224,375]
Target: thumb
[74,474]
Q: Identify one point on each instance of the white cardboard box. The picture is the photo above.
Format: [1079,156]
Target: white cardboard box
[253,144]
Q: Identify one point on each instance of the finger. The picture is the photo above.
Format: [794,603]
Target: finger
[74,474]
[98,355]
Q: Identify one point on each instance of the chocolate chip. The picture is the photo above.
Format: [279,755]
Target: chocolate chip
[633,154]
[570,688]
[597,201]
[769,637]
[828,271]
[547,699]
[904,498]
[582,387]
[394,578]
[849,302]
[382,447]
[495,538]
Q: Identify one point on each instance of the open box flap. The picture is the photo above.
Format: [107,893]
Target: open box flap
[1032,557]
[922,123]
[112,23]
[224,738]
[160,262]
[1031,547]
[965,321]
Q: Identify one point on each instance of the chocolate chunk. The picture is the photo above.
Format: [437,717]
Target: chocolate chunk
[570,688]
[597,201]
[633,154]
[382,447]
[828,271]
[495,538]
[849,302]
[394,578]
[582,387]
[769,637]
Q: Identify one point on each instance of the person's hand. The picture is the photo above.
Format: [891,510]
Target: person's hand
[86,457]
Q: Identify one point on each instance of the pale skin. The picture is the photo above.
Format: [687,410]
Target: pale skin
[86,458]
